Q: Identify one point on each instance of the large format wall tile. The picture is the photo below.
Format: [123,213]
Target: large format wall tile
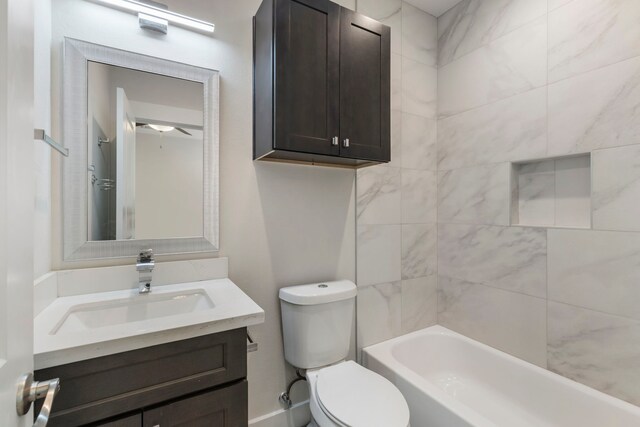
[554,4]
[389,12]
[588,34]
[396,139]
[396,82]
[595,110]
[512,64]
[378,191]
[419,88]
[419,142]
[596,269]
[378,254]
[477,195]
[419,35]
[596,349]
[419,303]
[509,321]
[379,313]
[419,250]
[508,130]
[473,23]
[616,188]
[419,190]
[510,258]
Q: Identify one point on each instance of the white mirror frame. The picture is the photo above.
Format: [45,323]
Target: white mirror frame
[76,244]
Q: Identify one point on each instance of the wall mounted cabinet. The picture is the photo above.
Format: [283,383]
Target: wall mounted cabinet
[321,84]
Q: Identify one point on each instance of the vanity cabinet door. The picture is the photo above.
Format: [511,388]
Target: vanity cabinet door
[307,74]
[129,421]
[224,407]
[365,88]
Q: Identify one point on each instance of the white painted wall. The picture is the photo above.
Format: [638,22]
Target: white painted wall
[280,224]
[42,153]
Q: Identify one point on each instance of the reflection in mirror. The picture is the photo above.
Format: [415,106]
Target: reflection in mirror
[145,154]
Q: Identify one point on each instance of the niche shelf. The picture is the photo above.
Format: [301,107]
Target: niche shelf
[552,192]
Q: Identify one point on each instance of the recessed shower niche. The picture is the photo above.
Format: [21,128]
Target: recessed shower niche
[552,192]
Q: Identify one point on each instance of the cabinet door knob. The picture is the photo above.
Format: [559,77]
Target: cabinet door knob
[345,143]
[334,141]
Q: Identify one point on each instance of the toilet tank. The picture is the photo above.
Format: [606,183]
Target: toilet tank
[317,322]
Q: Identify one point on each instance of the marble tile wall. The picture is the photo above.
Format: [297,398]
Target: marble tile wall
[396,202]
[525,80]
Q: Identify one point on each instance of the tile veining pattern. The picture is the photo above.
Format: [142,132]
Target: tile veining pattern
[396,202]
[524,80]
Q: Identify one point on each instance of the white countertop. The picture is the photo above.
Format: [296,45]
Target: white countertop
[232,309]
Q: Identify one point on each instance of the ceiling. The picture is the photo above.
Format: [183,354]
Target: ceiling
[434,7]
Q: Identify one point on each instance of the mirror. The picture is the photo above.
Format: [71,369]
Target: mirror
[143,137]
[145,151]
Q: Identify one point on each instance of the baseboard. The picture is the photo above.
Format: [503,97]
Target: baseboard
[297,416]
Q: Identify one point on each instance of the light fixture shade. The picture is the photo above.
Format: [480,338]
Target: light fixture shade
[174,18]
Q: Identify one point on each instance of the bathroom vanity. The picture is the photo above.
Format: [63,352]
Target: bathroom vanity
[144,344]
[175,356]
[198,381]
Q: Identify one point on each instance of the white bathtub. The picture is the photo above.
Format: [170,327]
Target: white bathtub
[450,380]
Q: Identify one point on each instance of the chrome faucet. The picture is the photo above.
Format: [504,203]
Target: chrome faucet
[144,266]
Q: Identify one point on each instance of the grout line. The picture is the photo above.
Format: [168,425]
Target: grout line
[606,313]
[545,227]
[477,107]
[600,68]
[486,285]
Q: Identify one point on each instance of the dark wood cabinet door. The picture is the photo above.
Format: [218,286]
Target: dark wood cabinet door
[365,88]
[307,88]
[225,407]
[128,421]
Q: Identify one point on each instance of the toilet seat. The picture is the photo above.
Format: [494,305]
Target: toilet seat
[353,396]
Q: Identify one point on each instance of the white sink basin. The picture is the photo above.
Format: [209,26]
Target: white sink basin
[136,308]
[80,327]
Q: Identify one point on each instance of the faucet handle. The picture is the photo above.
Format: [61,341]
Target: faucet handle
[146,256]
[145,261]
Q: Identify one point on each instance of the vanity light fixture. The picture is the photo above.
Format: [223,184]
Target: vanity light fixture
[151,13]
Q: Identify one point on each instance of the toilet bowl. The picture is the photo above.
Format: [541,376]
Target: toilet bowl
[347,394]
[317,324]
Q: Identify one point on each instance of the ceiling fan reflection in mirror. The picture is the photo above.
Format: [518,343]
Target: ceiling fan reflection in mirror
[162,128]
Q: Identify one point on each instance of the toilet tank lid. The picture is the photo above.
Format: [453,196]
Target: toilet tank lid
[319,293]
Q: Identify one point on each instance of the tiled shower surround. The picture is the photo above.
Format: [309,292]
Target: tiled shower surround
[396,203]
[517,81]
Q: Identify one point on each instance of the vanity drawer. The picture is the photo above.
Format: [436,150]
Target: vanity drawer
[104,387]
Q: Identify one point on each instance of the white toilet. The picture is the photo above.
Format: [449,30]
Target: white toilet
[317,322]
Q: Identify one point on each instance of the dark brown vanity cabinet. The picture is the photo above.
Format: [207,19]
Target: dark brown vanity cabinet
[195,382]
[321,84]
